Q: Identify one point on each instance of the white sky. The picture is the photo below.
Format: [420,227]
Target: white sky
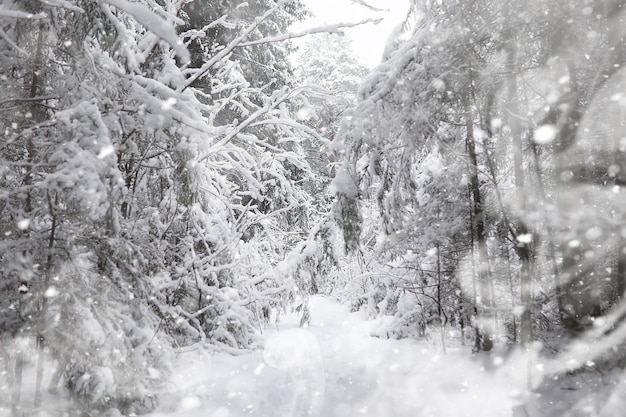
[368,40]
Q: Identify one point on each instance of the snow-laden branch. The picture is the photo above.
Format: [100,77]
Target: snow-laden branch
[154,23]
[192,34]
[273,103]
[232,45]
[19,14]
[293,124]
[26,99]
[9,41]
[334,28]
[62,4]
[369,6]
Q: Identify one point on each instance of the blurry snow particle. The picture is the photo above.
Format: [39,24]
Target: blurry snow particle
[154,373]
[28,115]
[394,367]
[518,310]
[431,252]
[574,243]
[23,224]
[242,5]
[259,369]
[552,98]
[498,360]
[51,292]
[525,238]
[168,104]
[438,84]
[564,80]
[106,151]
[496,123]
[189,403]
[545,134]
[363,410]
[67,44]
[539,367]
[305,113]
[590,363]
[480,134]
[615,189]
[617,97]
[587,11]
[436,358]
[23,289]
[593,233]
[613,170]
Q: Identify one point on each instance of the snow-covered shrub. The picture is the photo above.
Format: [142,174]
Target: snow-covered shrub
[108,342]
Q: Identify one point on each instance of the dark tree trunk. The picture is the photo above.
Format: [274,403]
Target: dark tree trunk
[483,336]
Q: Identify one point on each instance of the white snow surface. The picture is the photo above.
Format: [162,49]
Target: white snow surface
[335,368]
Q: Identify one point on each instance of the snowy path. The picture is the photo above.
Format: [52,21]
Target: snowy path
[335,368]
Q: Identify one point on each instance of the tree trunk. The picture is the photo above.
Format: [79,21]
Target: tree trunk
[17,389]
[522,237]
[43,305]
[442,319]
[483,334]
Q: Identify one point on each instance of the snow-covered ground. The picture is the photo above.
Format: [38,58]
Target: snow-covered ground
[335,368]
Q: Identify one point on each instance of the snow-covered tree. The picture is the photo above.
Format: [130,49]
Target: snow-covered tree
[459,79]
[152,167]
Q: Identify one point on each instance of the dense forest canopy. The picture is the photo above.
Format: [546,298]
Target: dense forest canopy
[171,178]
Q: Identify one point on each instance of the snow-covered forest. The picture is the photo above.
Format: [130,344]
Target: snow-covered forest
[198,218]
